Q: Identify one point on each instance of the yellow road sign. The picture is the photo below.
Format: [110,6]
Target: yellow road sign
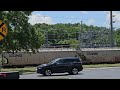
[3,30]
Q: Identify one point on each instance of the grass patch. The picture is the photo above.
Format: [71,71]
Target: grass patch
[30,70]
[101,65]
[26,70]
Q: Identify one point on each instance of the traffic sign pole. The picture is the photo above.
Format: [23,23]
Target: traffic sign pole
[3,33]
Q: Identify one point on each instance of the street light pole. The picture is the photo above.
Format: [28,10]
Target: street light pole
[80,41]
[111,30]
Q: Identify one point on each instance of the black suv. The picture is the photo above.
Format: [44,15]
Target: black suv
[72,65]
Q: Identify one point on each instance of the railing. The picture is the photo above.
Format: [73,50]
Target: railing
[75,47]
[60,47]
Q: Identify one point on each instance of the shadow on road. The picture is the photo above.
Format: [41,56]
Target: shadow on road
[66,74]
[80,74]
[60,75]
[53,75]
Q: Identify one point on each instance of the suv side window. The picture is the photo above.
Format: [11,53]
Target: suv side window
[77,60]
[73,60]
[60,61]
[66,61]
[69,60]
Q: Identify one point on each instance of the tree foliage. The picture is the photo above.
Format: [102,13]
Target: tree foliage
[21,35]
[117,37]
[69,33]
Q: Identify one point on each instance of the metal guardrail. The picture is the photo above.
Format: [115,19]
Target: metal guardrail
[75,47]
[59,47]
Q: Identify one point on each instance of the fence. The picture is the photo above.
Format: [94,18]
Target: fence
[83,39]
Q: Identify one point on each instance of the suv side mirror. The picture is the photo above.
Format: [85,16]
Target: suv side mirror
[55,63]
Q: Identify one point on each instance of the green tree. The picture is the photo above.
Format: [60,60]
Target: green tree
[62,33]
[21,35]
[117,37]
[72,42]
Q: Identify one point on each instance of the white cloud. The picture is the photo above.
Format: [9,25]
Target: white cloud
[108,16]
[84,12]
[106,24]
[38,18]
[116,18]
[91,21]
[116,15]
[106,11]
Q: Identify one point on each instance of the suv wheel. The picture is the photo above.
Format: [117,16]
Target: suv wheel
[74,71]
[47,72]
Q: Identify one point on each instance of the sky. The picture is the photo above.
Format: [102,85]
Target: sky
[96,18]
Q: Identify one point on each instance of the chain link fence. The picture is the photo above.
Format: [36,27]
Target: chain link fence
[86,39]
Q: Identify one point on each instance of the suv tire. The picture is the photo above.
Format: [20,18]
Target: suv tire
[74,71]
[47,72]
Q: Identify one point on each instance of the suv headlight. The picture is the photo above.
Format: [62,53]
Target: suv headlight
[38,67]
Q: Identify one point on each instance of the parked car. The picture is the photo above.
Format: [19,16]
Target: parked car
[72,65]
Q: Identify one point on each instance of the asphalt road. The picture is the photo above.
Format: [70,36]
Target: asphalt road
[91,73]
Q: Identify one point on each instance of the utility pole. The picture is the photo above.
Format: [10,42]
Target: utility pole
[111,30]
[80,41]
[46,38]
[81,25]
